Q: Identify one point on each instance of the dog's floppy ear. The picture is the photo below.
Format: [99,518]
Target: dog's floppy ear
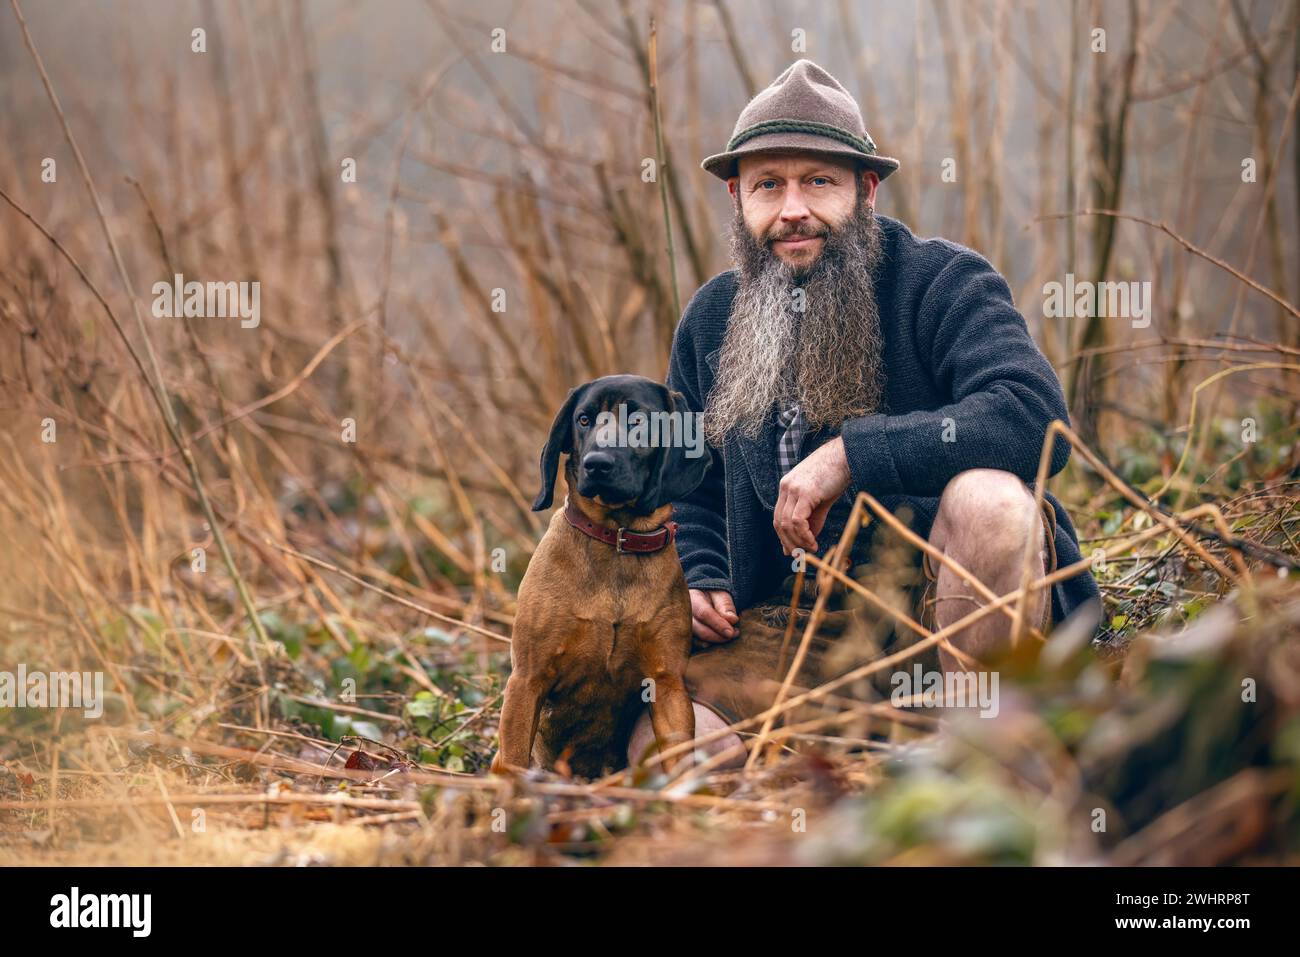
[561,441]
[679,473]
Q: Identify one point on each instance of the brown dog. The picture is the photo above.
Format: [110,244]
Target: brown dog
[603,623]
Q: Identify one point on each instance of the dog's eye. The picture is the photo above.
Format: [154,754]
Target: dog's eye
[584,420]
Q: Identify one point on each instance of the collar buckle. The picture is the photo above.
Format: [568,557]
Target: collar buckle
[618,540]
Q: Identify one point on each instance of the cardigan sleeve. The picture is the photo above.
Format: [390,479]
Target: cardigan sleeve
[1003,393]
[701,516]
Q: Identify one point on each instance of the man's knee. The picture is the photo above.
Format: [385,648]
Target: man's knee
[987,512]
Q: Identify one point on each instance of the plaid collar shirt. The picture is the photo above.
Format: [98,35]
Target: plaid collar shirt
[795,428]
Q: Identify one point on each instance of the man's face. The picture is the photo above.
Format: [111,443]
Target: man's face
[791,200]
[800,224]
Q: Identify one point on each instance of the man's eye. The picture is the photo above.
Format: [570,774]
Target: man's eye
[820,181]
[767,184]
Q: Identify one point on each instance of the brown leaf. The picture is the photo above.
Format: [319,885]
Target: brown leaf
[360,761]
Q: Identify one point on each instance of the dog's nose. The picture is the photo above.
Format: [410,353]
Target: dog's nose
[598,463]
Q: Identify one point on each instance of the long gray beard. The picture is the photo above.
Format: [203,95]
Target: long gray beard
[827,357]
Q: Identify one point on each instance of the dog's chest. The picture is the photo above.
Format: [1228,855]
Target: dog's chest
[624,591]
[600,626]
[607,657]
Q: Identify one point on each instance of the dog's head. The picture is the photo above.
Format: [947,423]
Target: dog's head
[631,442]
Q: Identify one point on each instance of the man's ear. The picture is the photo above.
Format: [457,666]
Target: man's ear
[870,180]
[679,473]
[560,441]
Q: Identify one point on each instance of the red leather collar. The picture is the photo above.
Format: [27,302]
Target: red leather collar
[623,539]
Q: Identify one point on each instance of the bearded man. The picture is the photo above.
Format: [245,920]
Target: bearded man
[845,354]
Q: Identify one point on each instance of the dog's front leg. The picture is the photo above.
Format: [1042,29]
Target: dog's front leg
[519,713]
[672,715]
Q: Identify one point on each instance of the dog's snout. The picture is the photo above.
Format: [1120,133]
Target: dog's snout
[598,463]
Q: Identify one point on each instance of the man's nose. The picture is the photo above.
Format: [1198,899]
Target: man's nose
[794,209]
[598,463]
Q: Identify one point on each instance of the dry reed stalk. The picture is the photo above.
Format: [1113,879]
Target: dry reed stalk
[691,776]
[900,617]
[843,548]
[1272,165]
[652,72]
[429,612]
[1169,522]
[822,691]
[448,779]
[694,254]
[1230,798]
[337,798]
[935,638]
[162,399]
[1186,244]
[1173,377]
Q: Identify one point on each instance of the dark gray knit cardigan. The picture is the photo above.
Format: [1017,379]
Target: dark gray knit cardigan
[954,348]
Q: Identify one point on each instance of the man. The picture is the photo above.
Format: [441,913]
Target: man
[844,354]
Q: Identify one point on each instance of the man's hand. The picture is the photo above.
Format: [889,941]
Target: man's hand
[713,616]
[807,493]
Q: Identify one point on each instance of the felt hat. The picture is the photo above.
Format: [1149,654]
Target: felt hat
[804,109]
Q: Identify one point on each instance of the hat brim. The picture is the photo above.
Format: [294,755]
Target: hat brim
[723,165]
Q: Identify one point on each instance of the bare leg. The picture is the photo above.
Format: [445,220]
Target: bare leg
[706,721]
[985,518]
